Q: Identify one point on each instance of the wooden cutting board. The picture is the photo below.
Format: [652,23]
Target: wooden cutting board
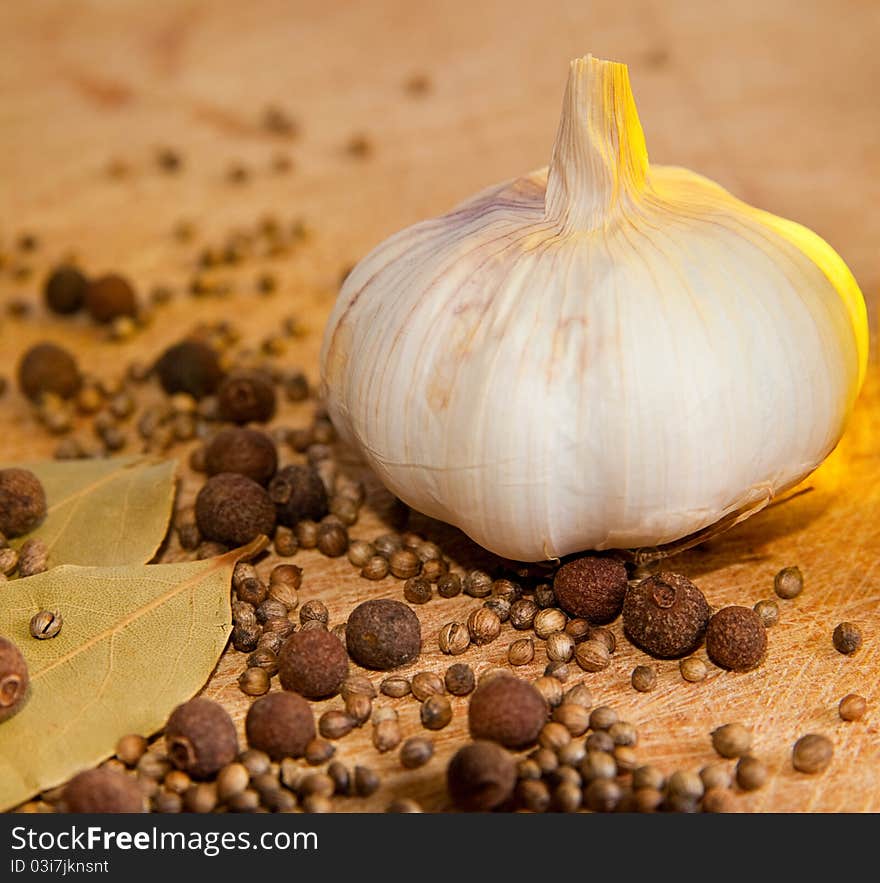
[777,104]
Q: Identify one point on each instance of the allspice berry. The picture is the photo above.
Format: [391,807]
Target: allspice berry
[736,638]
[14,679]
[109,297]
[22,501]
[480,777]
[383,634]
[847,636]
[48,368]
[508,710]
[65,290]
[200,737]
[232,509]
[665,615]
[592,588]
[812,753]
[298,493]
[103,790]
[246,397]
[242,451]
[190,366]
[313,663]
[281,724]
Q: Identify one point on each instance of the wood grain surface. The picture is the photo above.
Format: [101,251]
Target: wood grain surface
[775,99]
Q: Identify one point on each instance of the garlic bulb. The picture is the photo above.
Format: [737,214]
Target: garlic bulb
[602,354]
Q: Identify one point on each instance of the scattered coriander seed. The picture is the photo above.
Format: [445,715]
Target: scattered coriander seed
[591,587]
[557,669]
[592,656]
[718,800]
[341,777]
[546,760]
[852,707]
[103,790]
[417,590]
[736,638]
[560,647]
[366,781]
[319,751]
[572,756]
[252,590]
[648,777]
[507,710]
[269,609]
[751,773]
[109,297]
[732,740]
[65,290]
[847,638]
[603,718]
[459,679]
[603,795]
[506,590]
[383,634]
[580,694]
[580,630]
[360,552]
[33,557]
[436,712]
[554,736]
[768,611]
[396,687]
[359,707]
[286,545]
[715,775]
[478,584]
[523,613]
[335,724]
[812,753]
[167,802]
[499,607]
[693,669]
[434,569]
[548,621]
[265,658]
[449,585]
[647,800]
[358,684]
[606,636]
[623,733]
[200,737]
[425,684]
[788,583]
[551,689]
[404,564]
[254,681]
[643,678]
[521,651]
[483,625]
[8,561]
[598,765]
[129,749]
[332,540]
[177,781]
[454,638]
[313,663]
[281,725]
[46,624]
[386,735]
[685,785]
[314,610]
[201,798]
[544,595]
[153,766]
[284,582]
[376,568]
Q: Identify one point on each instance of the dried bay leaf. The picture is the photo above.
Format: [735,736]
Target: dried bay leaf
[136,642]
[104,513]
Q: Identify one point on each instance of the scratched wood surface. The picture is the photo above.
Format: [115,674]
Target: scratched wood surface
[776,100]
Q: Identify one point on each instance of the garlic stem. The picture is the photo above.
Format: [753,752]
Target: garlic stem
[599,157]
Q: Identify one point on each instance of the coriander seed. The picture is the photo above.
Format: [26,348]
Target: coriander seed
[643,678]
[332,540]
[454,638]
[335,724]
[560,647]
[483,625]
[847,638]
[436,712]
[554,736]
[693,669]
[592,656]
[718,800]
[416,752]
[341,777]
[751,773]
[852,707]
[715,775]
[478,584]
[417,590]
[129,749]
[366,781]
[359,707]
[521,651]
[768,611]
[254,681]
[533,795]
[33,557]
[449,585]
[425,684]
[523,613]
[404,563]
[685,785]
[314,610]
[812,753]
[360,552]
[580,630]
[459,679]
[580,694]
[788,583]
[396,687]
[318,751]
[648,777]
[551,689]
[376,568]
[548,621]
[603,718]
[732,740]
[575,718]
[557,669]
[386,735]
[46,624]
[603,795]
[306,532]
[544,595]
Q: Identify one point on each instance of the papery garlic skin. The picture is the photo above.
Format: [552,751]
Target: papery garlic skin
[617,357]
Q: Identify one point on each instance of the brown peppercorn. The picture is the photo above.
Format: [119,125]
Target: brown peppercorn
[548,621]
[449,585]
[335,724]
[281,725]
[254,681]
[243,451]
[693,669]
[852,707]
[33,557]
[751,773]
[847,638]
[665,615]
[299,494]
[14,679]
[483,625]
[404,564]
[592,588]
[521,651]
[480,777]
[313,663]
[454,638]
[592,656]
[109,297]
[48,368]
[233,510]
[22,502]
[459,679]
[812,753]
[103,790]
[643,678]
[768,611]
[246,396]
[383,634]
[436,712]
[396,687]
[190,366]
[736,638]
[788,583]
[46,624]
[332,540]
[65,290]
[732,740]
[417,590]
[425,684]
[508,710]
[200,737]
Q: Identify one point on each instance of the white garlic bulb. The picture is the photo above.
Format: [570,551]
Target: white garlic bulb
[602,354]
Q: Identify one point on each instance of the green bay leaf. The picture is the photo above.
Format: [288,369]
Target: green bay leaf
[136,642]
[104,513]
